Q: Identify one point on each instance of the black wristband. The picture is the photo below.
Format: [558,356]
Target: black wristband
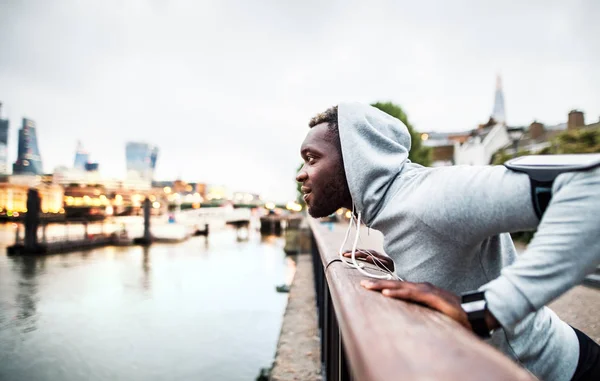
[474,304]
[480,327]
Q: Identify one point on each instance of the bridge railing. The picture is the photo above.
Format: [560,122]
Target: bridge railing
[366,336]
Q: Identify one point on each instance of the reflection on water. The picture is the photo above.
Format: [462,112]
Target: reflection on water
[199,310]
[27,293]
[146,269]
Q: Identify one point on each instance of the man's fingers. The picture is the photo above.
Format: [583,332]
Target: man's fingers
[363,253]
[378,285]
[371,257]
[379,262]
[360,256]
[418,296]
[421,295]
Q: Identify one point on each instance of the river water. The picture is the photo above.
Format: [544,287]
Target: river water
[197,310]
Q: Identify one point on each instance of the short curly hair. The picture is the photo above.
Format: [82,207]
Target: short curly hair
[329,116]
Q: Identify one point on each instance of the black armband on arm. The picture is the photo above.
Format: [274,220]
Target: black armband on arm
[543,170]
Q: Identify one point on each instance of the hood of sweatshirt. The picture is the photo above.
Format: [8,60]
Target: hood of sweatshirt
[375,149]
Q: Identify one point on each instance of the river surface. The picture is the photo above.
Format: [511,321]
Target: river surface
[197,310]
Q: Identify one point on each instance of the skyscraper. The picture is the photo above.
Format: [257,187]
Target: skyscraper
[141,159]
[28,157]
[499,113]
[3,144]
[81,157]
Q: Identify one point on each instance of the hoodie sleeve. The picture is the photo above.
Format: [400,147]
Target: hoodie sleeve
[470,203]
[474,203]
[564,250]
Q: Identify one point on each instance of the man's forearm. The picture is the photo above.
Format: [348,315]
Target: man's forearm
[563,251]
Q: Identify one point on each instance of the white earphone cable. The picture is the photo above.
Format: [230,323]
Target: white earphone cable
[359,268]
[354,263]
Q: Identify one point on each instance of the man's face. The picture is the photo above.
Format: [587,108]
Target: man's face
[323,178]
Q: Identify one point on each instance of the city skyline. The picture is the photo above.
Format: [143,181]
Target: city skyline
[226,90]
[4,128]
[141,159]
[29,159]
[82,157]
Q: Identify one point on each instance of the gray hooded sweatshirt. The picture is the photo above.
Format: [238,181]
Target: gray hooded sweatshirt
[449,226]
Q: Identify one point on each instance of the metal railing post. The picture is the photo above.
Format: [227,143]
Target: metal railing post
[333,342]
[333,357]
[319,283]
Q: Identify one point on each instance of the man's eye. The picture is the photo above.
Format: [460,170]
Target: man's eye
[310,159]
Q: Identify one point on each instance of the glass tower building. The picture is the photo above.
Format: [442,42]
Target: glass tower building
[499,113]
[3,144]
[141,159]
[81,157]
[29,160]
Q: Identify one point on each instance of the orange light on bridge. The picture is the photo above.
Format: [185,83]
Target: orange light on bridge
[293,206]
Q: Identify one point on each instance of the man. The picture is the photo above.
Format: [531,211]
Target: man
[447,231]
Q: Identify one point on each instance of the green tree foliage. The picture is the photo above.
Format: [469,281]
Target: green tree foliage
[502,156]
[584,140]
[418,152]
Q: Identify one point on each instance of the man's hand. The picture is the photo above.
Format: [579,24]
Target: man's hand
[375,258]
[423,293]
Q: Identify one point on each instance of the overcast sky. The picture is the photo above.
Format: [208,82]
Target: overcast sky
[226,88]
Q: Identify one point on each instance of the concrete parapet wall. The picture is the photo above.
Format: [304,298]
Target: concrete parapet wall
[298,354]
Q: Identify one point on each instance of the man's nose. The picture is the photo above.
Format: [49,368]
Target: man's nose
[301,176]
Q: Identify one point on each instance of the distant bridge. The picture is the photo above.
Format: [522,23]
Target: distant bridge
[187,222]
[211,215]
[201,219]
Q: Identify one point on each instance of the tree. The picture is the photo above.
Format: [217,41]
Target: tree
[418,152]
[501,156]
[583,140]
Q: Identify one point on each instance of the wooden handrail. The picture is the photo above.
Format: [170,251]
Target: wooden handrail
[386,339]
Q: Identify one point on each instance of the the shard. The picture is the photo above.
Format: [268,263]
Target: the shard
[499,113]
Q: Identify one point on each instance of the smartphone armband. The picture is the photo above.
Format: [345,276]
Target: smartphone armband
[543,170]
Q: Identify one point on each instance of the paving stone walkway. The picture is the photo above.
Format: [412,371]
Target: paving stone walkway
[580,307]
